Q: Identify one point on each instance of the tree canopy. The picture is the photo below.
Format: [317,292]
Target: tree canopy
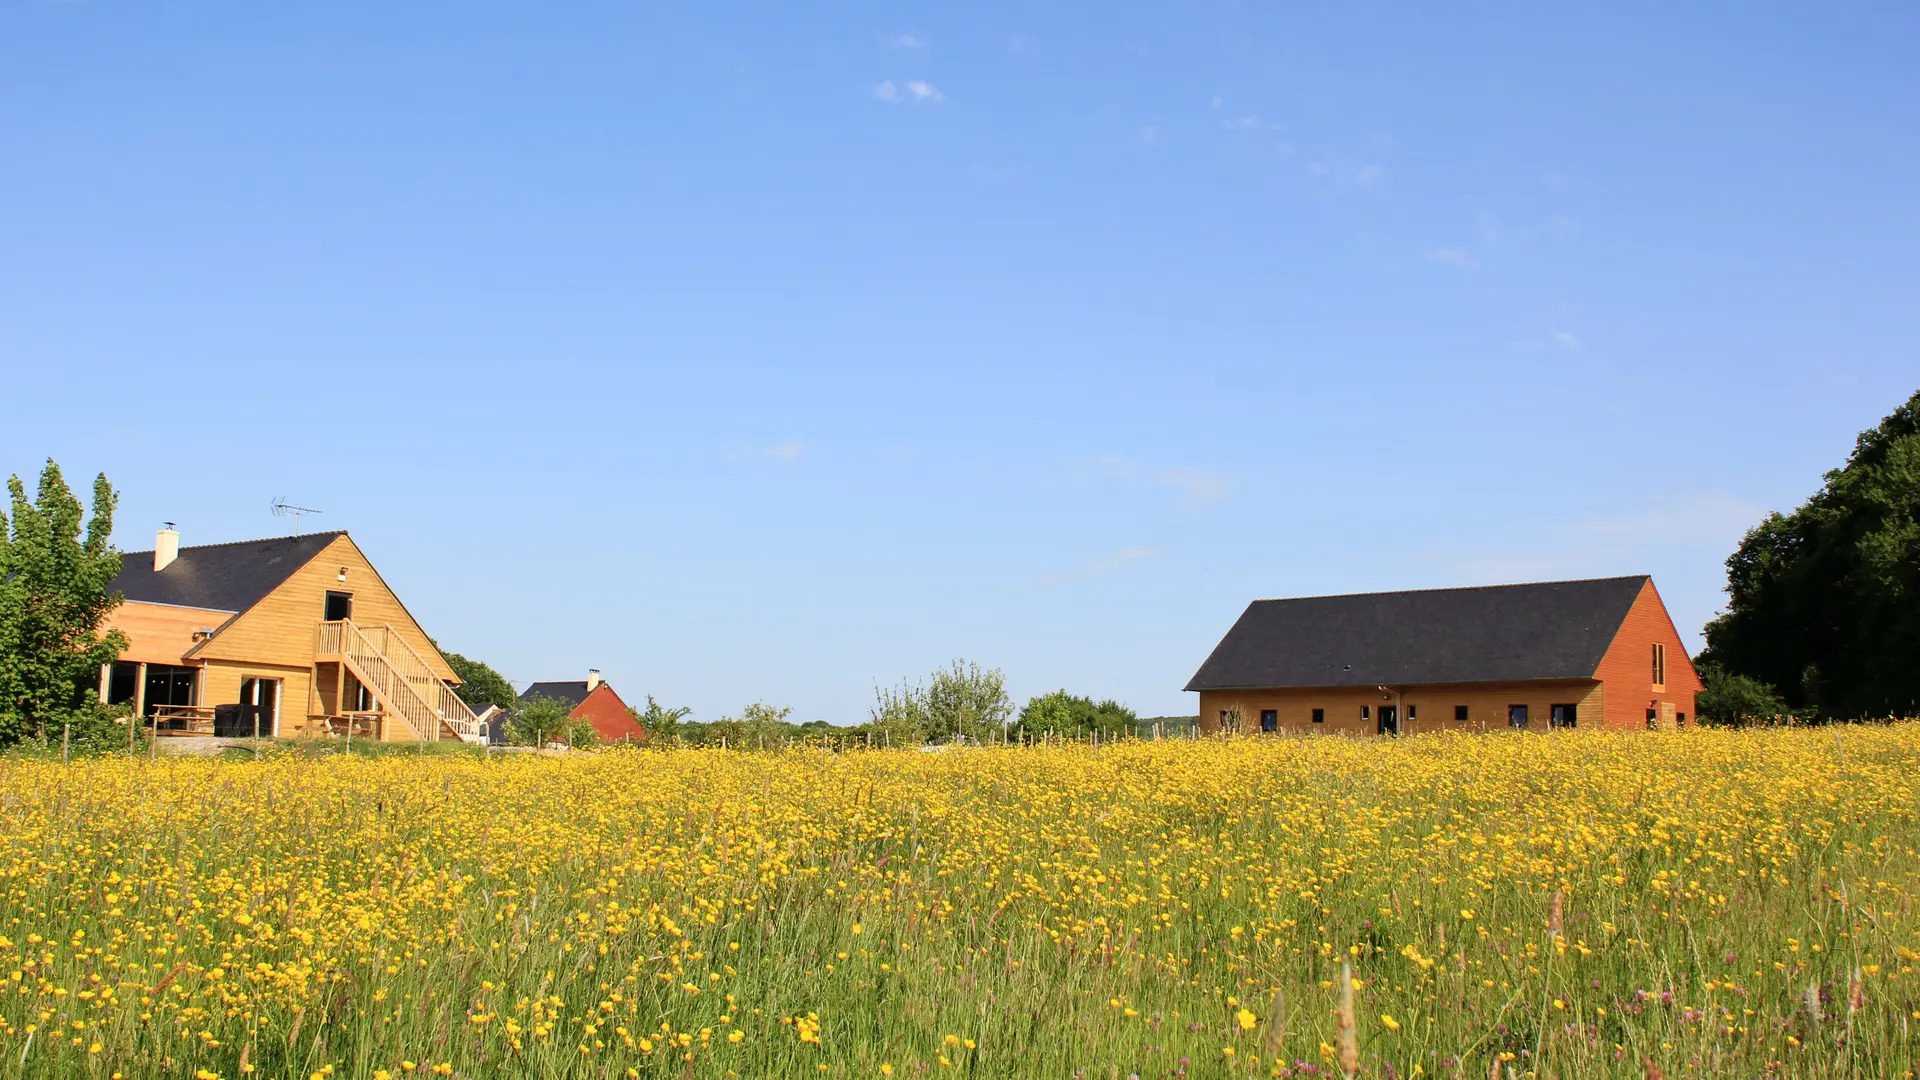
[54,596]
[1824,602]
[480,685]
[1061,713]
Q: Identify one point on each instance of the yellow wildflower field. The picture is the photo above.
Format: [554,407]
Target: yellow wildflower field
[1697,903]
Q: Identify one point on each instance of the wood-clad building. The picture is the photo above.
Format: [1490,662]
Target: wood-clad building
[285,636]
[1595,653]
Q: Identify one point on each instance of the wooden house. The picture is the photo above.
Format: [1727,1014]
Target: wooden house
[292,635]
[1596,653]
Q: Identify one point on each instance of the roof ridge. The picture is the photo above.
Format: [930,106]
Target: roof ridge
[235,543]
[1455,588]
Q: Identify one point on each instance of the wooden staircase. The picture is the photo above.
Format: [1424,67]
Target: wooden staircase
[400,681]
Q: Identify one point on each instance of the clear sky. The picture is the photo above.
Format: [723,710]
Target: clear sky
[760,351]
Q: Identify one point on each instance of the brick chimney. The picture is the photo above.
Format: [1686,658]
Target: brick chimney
[593,679]
[166,548]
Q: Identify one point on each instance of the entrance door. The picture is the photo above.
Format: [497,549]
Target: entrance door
[1389,720]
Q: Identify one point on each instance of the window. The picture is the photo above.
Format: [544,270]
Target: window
[362,699]
[1460,712]
[168,685]
[339,606]
[1319,716]
[1653,719]
[1679,719]
[1563,716]
[124,684]
[1366,712]
[1659,664]
[1269,720]
[1516,716]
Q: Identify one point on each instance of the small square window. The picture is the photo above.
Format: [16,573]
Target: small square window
[1319,716]
[1516,716]
[1269,720]
[1679,719]
[1459,712]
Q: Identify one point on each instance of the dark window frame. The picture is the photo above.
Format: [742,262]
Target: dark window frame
[1461,713]
[1517,716]
[1319,716]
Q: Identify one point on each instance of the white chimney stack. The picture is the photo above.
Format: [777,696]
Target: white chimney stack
[593,679]
[166,548]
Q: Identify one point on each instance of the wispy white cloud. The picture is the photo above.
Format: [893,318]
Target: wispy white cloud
[924,91]
[1566,340]
[784,453]
[1100,566]
[1371,175]
[886,91]
[1198,488]
[907,41]
[1714,517]
[1458,258]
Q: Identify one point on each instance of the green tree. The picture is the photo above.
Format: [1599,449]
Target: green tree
[1825,602]
[579,734]
[964,699]
[1727,698]
[1061,713]
[539,721]
[480,685]
[659,721]
[55,592]
[899,717]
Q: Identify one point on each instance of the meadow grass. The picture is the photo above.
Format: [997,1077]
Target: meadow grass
[1698,903]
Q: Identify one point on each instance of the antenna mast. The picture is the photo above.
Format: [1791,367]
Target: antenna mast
[283,508]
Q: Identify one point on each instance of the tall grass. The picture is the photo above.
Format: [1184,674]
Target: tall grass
[1581,904]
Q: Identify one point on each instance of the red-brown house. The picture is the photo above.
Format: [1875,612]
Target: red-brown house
[1595,653]
[593,700]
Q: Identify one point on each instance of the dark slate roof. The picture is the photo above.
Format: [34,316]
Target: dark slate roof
[1495,633]
[225,577]
[573,693]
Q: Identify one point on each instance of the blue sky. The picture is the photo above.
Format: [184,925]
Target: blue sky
[767,352]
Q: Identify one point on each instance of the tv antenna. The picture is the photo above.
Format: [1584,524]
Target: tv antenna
[283,508]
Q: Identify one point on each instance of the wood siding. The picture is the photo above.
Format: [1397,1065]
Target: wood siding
[161,633]
[1433,706]
[278,631]
[1627,668]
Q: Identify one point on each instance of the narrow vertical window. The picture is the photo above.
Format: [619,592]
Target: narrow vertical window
[1659,664]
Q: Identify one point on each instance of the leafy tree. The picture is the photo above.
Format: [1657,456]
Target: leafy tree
[899,717]
[965,700]
[539,721]
[1061,713]
[658,721]
[580,734]
[54,595]
[1728,698]
[1825,602]
[758,725]
[480,685]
